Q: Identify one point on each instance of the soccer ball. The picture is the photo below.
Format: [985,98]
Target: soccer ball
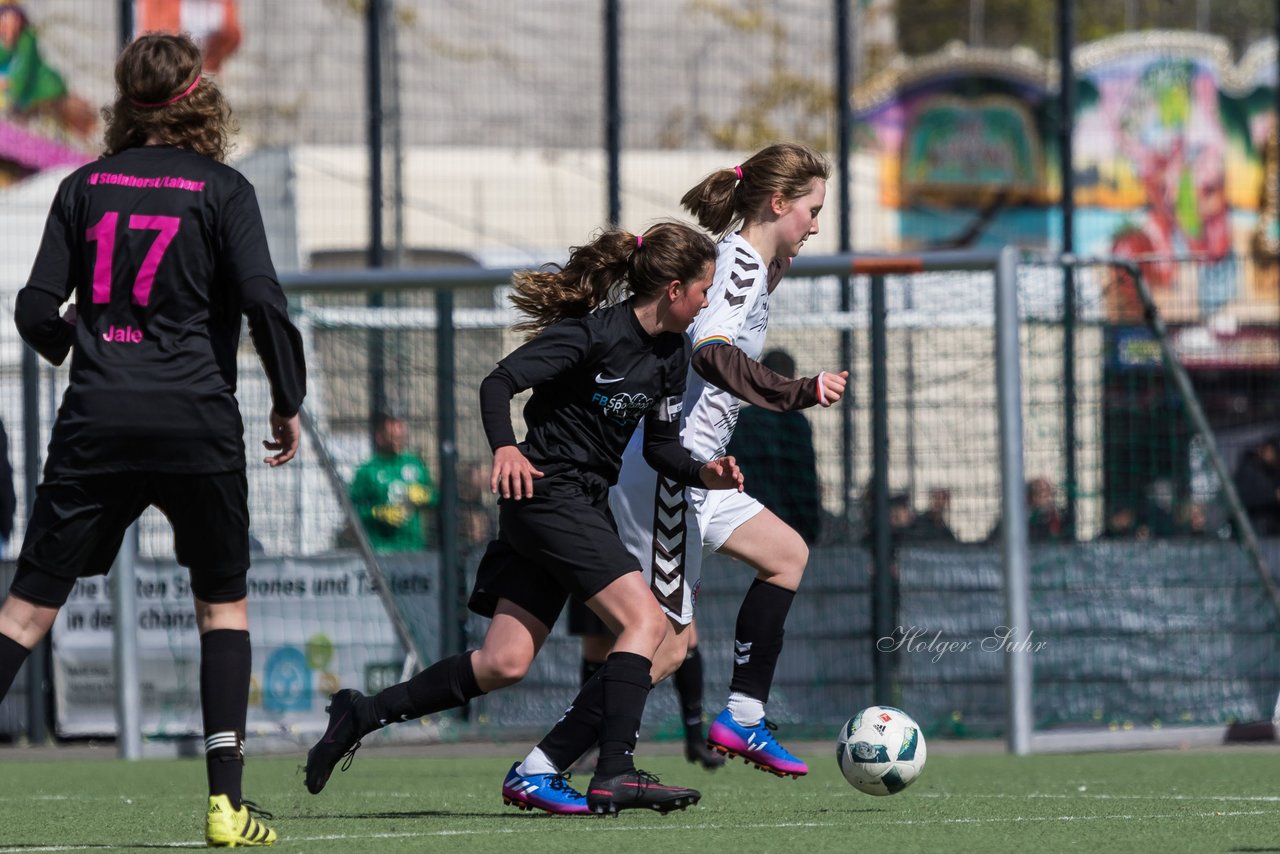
[881,750]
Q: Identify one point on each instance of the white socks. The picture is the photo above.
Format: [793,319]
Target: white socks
[746,711]
[536,763]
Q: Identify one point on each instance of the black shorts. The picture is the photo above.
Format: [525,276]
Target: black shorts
[78,524]
[562,542]
[584,621]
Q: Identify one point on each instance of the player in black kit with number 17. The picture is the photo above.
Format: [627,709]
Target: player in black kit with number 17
[163,248]
[608,351]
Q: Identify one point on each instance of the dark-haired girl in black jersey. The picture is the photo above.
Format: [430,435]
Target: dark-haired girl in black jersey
[599,365]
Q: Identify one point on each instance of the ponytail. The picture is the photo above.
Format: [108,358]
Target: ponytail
[617,263]
[743,193]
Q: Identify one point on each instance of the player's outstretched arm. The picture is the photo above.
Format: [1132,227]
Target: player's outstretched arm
[722,473]
[726,366]
[286,436]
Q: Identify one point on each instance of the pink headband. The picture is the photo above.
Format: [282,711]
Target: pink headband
[737,170]
[639,241]
[178,97]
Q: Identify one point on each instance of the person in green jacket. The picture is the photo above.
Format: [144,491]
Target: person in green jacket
[29,86]
[392,491]
[30,81]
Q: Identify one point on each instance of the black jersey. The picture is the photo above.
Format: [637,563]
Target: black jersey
[163,249]
[594,379]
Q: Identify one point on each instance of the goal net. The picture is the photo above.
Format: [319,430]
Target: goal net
[1157,627]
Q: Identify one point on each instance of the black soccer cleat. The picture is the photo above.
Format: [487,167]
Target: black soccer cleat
[341,739]
[698,753]
[636,790]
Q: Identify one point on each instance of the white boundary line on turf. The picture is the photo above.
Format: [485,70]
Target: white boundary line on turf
[1084,796]
[598,826]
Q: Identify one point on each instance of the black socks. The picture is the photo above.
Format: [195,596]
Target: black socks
[688,682]
[12,656]
[758,638]
[225,663]
[447,684]
[626,684]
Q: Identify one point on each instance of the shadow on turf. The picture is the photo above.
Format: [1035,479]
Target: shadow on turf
[418,814]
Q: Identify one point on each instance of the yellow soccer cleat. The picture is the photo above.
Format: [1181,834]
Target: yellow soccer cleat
[225,827]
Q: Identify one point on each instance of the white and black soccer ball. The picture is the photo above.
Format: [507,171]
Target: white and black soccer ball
[880,750]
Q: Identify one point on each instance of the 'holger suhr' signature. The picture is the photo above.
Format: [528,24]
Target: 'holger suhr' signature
[918,640]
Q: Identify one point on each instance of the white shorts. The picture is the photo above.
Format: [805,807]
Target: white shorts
[667,527]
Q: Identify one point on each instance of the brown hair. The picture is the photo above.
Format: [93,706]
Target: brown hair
[615,263]
[151,75]
[743,193]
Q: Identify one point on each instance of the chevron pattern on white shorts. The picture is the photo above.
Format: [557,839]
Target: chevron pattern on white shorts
[669,537]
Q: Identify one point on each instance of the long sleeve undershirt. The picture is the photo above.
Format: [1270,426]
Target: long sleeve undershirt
[727,367]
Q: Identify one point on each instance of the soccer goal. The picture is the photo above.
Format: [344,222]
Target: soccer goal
[940,579]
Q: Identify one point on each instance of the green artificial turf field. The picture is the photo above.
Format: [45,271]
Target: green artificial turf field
[966,800]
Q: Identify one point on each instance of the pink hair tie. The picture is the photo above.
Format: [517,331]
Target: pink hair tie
[178,97]
[639,241]
[737,170]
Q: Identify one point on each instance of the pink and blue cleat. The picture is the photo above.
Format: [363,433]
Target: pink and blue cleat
[755,744]
[548,792]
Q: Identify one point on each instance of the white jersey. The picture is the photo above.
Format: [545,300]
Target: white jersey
[664,525]
[738,315]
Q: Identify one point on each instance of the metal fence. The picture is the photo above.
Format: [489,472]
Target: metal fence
[491,123]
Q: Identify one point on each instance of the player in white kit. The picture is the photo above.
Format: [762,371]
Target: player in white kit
[775,196]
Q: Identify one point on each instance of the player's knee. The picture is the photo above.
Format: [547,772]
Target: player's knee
[667,661]
[798,557]
[650,627]
[25,622]
[789,560]
[502,668]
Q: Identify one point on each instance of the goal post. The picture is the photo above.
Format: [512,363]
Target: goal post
[956,386]
[1002,264]
[1168,624]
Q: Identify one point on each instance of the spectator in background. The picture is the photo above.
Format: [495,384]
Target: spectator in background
[1122,524]
[1195,520]
[392,490]
[931,526]
[1159,508]
[29,85]
[1257,480]
[902,516]
[477,509]
[1045,522]
[782,465]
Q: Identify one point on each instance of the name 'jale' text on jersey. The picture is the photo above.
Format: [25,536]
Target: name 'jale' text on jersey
[163,250]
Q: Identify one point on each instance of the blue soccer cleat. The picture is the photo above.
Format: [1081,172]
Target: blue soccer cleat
[755,744]
[548,792]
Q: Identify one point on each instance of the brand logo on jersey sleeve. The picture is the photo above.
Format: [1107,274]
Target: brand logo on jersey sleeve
[601,379]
